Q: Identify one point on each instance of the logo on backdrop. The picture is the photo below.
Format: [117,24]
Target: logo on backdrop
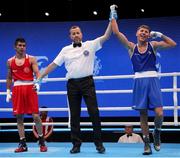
[97,66]
[42,63]
[158,64]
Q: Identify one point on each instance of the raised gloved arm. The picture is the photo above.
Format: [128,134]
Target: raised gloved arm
[113,12]
[166,42]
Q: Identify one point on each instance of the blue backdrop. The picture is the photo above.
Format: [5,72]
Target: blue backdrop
[46,39]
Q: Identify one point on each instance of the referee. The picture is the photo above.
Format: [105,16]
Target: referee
[79,61]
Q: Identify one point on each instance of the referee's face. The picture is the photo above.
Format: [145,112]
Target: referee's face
[76,35]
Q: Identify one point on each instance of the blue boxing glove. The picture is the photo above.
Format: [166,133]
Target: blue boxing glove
[155,34]
[113,12]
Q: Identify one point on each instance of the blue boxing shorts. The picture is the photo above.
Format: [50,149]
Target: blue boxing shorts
[147,93]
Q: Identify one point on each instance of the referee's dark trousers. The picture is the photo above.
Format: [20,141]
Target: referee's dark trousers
[76,90]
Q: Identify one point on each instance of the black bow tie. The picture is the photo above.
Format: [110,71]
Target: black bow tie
[77,45]
[129,135]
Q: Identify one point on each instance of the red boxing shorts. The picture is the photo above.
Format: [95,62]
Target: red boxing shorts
[24,99]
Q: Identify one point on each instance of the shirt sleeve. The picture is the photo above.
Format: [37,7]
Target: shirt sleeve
[59,60]
[121,139]
[97,44]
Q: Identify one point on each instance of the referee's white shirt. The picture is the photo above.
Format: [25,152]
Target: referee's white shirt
[79,61]
[135,138]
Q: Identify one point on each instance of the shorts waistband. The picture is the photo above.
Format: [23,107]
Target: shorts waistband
[21,83]
[80,79]
[146,74]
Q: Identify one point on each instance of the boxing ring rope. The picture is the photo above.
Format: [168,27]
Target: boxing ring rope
[175,106]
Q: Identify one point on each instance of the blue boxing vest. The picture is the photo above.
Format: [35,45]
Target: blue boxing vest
[145,61]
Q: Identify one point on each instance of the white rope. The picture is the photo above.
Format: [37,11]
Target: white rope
[115,77]
[85,109]
[99,91]
[90,124]
[107,77]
